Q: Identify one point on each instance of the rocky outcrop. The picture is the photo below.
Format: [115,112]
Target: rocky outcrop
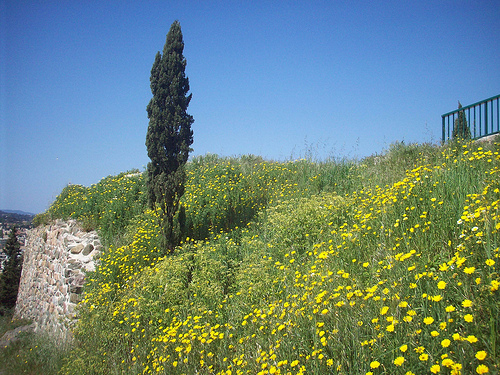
[56,260]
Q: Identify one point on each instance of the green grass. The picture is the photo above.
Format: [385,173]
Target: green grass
[29,354]
[388,265]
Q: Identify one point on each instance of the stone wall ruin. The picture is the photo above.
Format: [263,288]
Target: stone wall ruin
[56,260]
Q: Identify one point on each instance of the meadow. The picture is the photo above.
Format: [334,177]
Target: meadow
[386,265]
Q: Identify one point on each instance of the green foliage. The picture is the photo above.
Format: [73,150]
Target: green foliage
[297,224]
[301,266]
[33,354]
[461,129]
[169,135]
[11,273]
[108,206]
[226,193]
[390,166]
[41,219]
[29,353]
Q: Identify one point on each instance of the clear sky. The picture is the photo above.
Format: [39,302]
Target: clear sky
[271,78]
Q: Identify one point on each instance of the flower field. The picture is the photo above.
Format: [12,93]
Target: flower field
[389,265]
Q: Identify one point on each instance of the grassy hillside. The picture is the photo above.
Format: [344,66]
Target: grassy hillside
[384,266]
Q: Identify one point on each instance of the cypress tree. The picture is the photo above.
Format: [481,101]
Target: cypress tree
[460,128]
[11,274]
[169,135]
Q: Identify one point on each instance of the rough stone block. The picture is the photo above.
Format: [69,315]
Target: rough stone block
[88,249]
[74,264]
[77,249]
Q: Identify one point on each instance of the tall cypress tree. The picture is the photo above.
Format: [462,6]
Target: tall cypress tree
[460,128]
[169,134]
[11,274]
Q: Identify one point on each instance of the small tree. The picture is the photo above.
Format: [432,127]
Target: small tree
[11,274]
[169,135]
[460,128]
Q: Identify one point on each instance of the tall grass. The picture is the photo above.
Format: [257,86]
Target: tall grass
[386,266]
[29,353]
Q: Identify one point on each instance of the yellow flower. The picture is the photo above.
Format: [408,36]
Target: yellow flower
[428,320]
[468,318]
[456,367]
[441,285]
[424,357]
[490,262]
[469,270]
[495,284]
[323,255]
[419,350]
[435,369]
[375,364]
[467,303]
[403,348]
[384,310]
[390,328]
[450,308]
[399,361]
[472,339]
[482,369]
[294,363]
[481,355]
[447,362]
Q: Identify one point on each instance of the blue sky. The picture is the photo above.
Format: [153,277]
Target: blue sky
[272,78]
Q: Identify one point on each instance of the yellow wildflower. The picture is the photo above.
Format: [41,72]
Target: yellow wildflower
[481,355]
[399,361]
[482,369]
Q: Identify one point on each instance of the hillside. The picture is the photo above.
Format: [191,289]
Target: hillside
[388,265]
[15,217]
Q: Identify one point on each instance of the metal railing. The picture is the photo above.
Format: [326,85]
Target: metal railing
[473,121]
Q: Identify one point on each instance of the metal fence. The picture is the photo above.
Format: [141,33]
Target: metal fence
[473,121]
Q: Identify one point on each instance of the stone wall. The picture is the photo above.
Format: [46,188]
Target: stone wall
[56,259]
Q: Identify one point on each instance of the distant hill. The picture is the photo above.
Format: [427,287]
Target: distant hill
[17,212]
[15,216]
